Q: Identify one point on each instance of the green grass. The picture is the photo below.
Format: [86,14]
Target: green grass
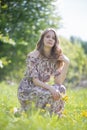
[75,113]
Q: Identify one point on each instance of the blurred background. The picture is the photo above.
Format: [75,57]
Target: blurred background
[21,23]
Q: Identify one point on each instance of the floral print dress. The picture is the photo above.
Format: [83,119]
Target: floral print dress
[41,68]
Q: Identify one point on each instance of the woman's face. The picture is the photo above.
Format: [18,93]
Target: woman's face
[49,39]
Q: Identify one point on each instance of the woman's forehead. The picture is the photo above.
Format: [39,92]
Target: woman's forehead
[50,32]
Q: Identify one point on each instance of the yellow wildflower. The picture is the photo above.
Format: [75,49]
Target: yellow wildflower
[12,110]
[84,113]
[42,110]
[65,98]
[64,112]
[47,105]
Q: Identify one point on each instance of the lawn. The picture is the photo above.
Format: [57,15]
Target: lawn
[75,113]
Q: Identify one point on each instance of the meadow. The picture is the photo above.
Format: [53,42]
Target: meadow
[74,115]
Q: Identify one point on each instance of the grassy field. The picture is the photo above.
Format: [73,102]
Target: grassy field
[75,113]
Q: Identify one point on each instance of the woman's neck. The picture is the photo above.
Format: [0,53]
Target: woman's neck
[47,52]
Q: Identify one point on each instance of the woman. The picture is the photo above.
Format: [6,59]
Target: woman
[45,61]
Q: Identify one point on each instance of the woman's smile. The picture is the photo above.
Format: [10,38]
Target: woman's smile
[49,39]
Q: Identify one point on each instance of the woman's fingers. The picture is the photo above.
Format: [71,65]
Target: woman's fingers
[56,95]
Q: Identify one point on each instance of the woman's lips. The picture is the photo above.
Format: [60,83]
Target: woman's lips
[49,42]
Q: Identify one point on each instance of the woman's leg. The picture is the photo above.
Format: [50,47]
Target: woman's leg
[58,105]
[43,98]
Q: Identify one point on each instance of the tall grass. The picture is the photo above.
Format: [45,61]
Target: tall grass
[74,115]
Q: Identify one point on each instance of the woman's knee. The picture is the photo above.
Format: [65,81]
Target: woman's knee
[62,89]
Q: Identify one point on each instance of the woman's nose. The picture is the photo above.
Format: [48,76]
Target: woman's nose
[51,38]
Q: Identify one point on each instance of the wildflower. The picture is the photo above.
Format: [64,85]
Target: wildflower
[11,110]
[84,113]
[47,105]
[42,110]
[16,112]
[64,112]
[65,98]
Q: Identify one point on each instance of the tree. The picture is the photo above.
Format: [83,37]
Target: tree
[78,60]
[23,20]
[78,40]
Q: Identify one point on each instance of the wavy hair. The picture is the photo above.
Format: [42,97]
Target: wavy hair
[56,50]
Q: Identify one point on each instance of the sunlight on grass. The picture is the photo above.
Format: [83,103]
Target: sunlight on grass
[74,114]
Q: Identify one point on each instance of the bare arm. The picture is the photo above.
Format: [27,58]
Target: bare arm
[60,79]
[37,82]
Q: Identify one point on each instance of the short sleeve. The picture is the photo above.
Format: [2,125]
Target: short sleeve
[31,71]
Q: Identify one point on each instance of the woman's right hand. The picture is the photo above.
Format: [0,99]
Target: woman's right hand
[56,94]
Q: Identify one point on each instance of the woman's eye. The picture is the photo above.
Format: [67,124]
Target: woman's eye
[48,36]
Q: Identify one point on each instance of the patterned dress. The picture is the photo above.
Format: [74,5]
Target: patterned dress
[41,68]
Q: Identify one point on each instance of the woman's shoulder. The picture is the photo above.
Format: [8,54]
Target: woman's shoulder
[34,54]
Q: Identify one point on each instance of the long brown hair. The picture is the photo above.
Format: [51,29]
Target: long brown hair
[56,50]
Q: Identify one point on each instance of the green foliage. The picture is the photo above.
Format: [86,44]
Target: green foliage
[6,39]
[23,20]
[78,61]
[12,60]
[74,115]
[74,40]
